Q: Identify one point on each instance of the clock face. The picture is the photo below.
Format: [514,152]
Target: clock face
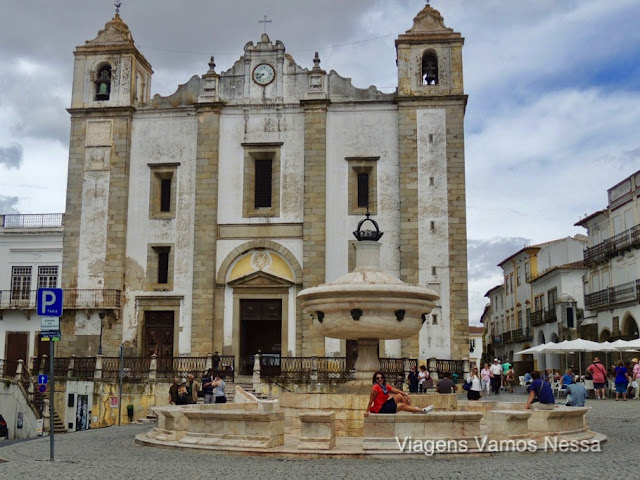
[263,74]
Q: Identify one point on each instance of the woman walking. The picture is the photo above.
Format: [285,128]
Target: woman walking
[485,379]
[476,386]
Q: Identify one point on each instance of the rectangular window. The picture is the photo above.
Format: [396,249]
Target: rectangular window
[552,296]
[261,180]
[506,285]
[263,185]
[363,190]
[48,277]
[511,282]
[165,195]
[518,277]
[162,192]
[434,319]
[163,265]
[527,275]
[20,283]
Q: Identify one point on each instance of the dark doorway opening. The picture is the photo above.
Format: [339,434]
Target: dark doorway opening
[158,333]
[17,349]
[260,330]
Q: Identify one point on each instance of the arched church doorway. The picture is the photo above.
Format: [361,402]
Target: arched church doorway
[260,330]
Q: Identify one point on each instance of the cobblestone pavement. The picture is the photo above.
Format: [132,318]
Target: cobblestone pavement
[111,453]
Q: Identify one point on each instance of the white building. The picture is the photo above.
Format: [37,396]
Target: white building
[204,213]
[513,304]
[612,283]
[30,258]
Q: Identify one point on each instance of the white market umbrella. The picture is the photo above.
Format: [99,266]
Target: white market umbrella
[532,350]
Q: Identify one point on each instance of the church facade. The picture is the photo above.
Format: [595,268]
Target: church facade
[202,214]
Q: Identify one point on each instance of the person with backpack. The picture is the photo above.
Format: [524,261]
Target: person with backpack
[540,392]
[599,374]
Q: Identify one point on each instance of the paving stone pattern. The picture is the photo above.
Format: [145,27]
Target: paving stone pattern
[111,453]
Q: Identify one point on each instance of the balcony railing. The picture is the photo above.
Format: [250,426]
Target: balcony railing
[73,299]
[517,336]
[627,292]
[46,220]
[620,242]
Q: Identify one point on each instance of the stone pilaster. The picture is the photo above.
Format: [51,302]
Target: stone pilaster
[314,222]
[456,204]
[205,231]
[409,237]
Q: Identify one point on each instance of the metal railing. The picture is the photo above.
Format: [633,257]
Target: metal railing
[518,335]
[537,318]
[8,369]
[450,366]
[611,246]
[169,367]
[622,293]
[73,299]
[43,220]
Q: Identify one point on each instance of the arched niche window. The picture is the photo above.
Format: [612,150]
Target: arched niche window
[429,68]
[103,83]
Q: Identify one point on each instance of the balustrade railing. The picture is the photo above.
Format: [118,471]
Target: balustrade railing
[518,335]
[450,366]
[73,299]
[537,318]
[611,246]
[8,369]
[42,220]
[622,293]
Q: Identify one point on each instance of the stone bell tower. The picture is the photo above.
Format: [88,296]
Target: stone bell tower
[110,78]
[433,237]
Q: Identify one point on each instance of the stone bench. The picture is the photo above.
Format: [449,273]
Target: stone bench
[508,424]
[381,431]
[559,421]
[318,431]
[234,428]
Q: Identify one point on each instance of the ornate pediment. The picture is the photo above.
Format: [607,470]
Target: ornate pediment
[114,31]
[260,279]
[429,20]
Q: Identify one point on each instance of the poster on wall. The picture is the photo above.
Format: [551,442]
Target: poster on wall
[39,426]
[114,402]
[82,412]
[20,421]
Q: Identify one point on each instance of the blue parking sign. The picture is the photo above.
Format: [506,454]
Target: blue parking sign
[50,302]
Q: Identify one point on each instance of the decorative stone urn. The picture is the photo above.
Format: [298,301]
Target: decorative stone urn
[368,305]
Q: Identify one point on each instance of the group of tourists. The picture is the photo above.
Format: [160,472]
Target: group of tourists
[419,382]
[624,376]
[188,390]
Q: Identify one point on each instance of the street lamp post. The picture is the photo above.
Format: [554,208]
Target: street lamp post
[101,314]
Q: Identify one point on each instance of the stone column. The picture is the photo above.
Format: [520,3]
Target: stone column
[153,367]
[314,370]
[432,366]
[72,365]
[19,370]
[98,371]
[368,362]
[256,372]
[315,215]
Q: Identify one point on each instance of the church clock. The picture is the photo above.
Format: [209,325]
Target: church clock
[263,74]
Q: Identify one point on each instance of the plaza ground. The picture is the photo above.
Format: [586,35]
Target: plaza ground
[111,453]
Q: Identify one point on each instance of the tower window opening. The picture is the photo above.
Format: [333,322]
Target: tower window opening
[429,69]
[103,83]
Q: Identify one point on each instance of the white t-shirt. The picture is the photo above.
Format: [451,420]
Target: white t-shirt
[496,369]
[475,383]
[422,376]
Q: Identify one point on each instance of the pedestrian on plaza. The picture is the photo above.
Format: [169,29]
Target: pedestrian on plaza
[182,395]
[207,386]
[576,395]
[540,392]
[412,378]
[622,380]
[423,376]
[387,399]
[509,378]
[505,368]
[173,391]
[445,384]
[193,387]
[496,376]
[475,390]
[485,379]
[635,378]
[216,361]
[566,379]
[218,393]
[599,374]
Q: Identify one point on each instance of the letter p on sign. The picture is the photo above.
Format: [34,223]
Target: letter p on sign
[50,302]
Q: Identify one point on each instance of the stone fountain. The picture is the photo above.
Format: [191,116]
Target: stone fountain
[367,305]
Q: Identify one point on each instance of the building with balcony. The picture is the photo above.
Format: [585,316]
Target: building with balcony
[30,258]
[612,282]
[516,304]
[560,309]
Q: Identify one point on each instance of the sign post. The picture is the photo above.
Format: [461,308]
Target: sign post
[50,301]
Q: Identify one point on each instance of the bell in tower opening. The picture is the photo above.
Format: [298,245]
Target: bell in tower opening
[430,68]
[103,83]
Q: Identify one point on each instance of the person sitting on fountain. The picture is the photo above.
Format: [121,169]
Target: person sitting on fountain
[381,402]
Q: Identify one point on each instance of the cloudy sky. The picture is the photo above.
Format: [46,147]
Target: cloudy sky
[552,119]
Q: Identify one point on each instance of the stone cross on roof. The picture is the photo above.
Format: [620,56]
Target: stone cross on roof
[265,21]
